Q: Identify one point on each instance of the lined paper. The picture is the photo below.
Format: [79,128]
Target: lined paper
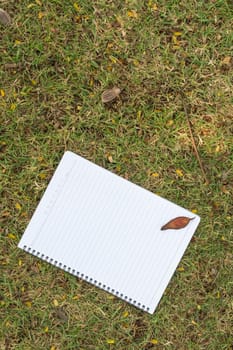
[107,231]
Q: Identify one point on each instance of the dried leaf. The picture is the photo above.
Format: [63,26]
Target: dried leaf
[177,223]
[4,17]
[76,6]
[179,172]
[177,33]
[28,303]
[61,314]
[11,236]
[110,159]
[180,269]
[41,15]
[55,303]
[110,94]
[155,174]
[18,206]
[226,61]
[125,314]
[132,14]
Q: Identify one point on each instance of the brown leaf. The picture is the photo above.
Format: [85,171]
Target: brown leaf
[4,17]
[61,314]
[226,61]
[110,94]
[177,223]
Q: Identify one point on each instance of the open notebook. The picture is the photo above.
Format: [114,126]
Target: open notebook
[107,231]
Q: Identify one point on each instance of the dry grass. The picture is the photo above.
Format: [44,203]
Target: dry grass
[56,60]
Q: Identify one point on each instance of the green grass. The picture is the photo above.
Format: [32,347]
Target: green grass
[51,102]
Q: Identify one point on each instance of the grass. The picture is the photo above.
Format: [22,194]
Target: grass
[64,56]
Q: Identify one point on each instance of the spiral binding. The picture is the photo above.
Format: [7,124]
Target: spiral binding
[85,278]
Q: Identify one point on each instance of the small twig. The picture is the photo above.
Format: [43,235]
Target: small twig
[192,138]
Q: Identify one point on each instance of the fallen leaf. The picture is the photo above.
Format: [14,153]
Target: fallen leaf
[76,297]
[55,303]
[132,14]
[4,17]
[11,236]
[180,269]
[125,314]
[226,61]
[61,314]
[13,107]
[41,15]
[155,174]
[42,176]
[152,5]
[194,323]
[177,223]
[110,94]
[170,122]
[177,33]
[110,159]
[76,6]
[18,206]
[179,172]
[28,304]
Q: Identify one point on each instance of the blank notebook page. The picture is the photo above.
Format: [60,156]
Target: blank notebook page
[107,231]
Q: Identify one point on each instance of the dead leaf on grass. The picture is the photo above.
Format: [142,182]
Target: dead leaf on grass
[110,94]
[227,61]
[61,314]
[4,17]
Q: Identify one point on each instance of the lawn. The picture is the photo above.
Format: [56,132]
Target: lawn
[173,62]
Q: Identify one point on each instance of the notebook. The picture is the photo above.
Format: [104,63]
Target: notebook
[107,231]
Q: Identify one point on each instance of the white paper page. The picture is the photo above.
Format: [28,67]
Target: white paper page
[106,230]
